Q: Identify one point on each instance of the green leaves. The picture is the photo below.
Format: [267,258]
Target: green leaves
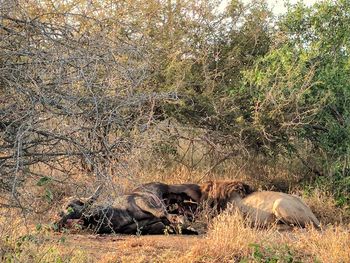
[48,195]
[43,181]
[299,93]
[70,210]
[271,254]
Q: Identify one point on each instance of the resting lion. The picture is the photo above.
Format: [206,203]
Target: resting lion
[218,194]
[267,207]
[144,210]
[260,208]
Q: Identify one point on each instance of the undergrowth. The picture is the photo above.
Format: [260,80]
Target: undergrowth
[227,238]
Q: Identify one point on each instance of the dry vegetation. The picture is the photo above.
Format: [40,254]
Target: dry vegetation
[121,93]
[27,237]
[227,239]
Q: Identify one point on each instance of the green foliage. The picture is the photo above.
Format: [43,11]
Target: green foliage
[300,90]
[164,148]
[48,195]
[265,86]
[271,254]
[38,227]
[321,33]
[338,185]
[43,181]
[191,110]
[274,89]
[70,210]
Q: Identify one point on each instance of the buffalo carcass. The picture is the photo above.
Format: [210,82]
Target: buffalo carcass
[144,211]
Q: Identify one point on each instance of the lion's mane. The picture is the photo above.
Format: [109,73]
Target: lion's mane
[218,193]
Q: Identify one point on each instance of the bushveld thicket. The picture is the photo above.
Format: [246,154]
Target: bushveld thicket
[98,90]
[122,92]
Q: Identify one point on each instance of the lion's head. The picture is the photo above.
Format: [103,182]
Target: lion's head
[217,194]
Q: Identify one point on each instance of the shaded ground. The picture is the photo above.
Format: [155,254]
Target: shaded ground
[122,248]
[227,241]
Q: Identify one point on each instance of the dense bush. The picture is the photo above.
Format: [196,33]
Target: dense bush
[300,90]
[82,82]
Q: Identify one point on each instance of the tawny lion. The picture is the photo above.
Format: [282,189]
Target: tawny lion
[260,208]
[267,207]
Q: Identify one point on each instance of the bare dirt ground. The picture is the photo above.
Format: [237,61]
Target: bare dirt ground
[228,240]
[122,248]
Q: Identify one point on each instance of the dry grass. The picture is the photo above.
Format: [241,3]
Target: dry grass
[227,240]
[325,208]
[329,245]
[230,239]
[24,242]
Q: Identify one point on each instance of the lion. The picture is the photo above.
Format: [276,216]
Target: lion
[261,209]
[218,194]
[143,211]
[267,207]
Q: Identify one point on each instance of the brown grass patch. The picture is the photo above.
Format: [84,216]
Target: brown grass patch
[229,239]
[325,208]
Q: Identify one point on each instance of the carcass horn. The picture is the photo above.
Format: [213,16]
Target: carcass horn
[95,195]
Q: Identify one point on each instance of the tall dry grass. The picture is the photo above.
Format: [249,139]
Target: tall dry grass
[229,239]
[23,241]
[325,207]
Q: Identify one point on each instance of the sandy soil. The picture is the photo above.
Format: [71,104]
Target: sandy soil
[122,248]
